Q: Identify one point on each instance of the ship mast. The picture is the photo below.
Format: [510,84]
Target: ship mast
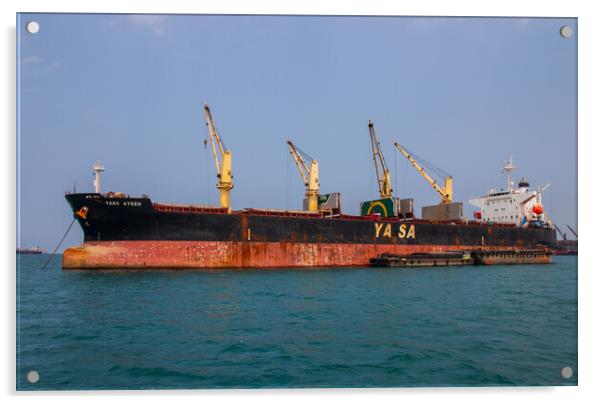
[98,168]
[507,169]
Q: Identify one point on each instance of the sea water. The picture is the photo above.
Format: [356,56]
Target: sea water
[351,327]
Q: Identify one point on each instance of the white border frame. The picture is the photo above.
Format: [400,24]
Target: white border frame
[589,117]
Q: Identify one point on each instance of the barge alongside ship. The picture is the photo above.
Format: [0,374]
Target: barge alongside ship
[460,258]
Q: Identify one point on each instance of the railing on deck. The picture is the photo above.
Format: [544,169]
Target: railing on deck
[197,209]
[188,208]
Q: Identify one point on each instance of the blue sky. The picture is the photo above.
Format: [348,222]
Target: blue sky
[128,90]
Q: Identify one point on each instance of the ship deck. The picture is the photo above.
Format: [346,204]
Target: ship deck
[202,209]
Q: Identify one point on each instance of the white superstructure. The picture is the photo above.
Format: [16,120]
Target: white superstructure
[521,206]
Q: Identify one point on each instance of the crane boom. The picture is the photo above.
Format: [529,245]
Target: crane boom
[384,179]
[446,192]
[299,162]
[309,175]
[222,159]
[563,235]
[572,231]
[214,137]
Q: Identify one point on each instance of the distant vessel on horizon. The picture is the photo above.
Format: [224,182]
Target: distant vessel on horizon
[34,250]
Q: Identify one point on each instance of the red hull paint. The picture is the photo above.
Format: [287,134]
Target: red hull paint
[235,254]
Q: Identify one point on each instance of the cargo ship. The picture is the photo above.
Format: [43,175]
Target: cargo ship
[33,250]
[123,232]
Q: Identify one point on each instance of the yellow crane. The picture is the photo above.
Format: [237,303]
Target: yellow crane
[384,178]
[223,162]
[309,175]
[446,192]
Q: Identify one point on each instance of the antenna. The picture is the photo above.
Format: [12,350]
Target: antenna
[98,168]
[507,169]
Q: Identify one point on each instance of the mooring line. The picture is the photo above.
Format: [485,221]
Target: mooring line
[59,244]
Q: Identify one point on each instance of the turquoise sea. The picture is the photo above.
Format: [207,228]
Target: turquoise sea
[356,327]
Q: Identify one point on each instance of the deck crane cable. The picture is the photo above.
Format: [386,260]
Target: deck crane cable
[396,186]
[305,156]
[207,171]
[425,163]
[370,172]
[287,169]
[445,190]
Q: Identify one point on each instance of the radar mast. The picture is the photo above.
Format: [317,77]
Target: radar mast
[507,169]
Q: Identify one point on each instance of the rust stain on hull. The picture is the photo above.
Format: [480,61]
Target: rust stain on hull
[231,254]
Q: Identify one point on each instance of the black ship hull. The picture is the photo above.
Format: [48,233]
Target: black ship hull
[137,226]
